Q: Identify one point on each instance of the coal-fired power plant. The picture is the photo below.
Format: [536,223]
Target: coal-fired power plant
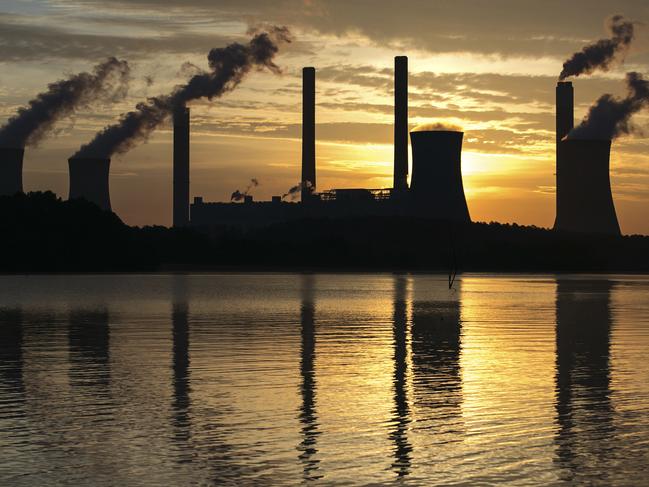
[181,167]
[308,181]
[89,180]
[584,200]
[436,187]
[584,187]
[400,176]
[11,170]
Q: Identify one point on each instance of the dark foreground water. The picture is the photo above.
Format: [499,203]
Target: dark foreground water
[272,379]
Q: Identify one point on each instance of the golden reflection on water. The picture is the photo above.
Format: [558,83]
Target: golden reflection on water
[281,378]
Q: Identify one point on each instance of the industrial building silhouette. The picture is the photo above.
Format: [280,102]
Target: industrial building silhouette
[584,201]
[437,191]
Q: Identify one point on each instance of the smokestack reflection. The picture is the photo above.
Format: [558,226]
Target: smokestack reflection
[89,342]
[181,362]
[12,386]
[308,415]
[436,351]
[401,412]
[584,410]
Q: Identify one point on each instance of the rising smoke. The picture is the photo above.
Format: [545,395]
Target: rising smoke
[108,81]
[437,126]
[610,117]
[228,66]
[296,190]
[240,196]
[602,53]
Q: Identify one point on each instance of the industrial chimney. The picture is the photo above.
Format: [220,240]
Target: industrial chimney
[89,180]
[181,168]
[11,170]
[400,123]
[584,188]
[436,184]
[308,132]
[565,122]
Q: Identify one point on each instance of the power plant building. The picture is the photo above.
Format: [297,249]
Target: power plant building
[11,170]
[436,191]
[89,180]
[584,200]
[181,167]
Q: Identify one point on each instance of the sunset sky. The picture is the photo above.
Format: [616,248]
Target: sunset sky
[489,66]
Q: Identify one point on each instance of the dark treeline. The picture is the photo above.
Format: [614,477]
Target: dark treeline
[41,233]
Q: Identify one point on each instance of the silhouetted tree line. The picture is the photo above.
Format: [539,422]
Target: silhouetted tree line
[41,233]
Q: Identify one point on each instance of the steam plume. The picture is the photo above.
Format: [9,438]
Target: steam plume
[610,117]
[297,189]
[602,53]
[228,66]
[107,81]
[442,126]
[239,196]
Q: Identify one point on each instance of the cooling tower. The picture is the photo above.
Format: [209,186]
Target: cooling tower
[308,132]
[11,171]
[584,188]
[565,121]
[89,180]
[400,123]
[181,168]
[436,184]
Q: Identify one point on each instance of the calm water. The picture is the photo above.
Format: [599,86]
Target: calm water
[273,379]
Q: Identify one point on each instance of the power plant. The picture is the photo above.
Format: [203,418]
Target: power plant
[436,191]
[436,186]
[11,170]
[181,168]
[400,179]
[584,201]
[308,180]
[89,180]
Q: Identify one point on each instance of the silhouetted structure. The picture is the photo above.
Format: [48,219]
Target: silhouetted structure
[11,352]
[401,412]
[11,170]
[89,180]
[400,176]
[584,198]
[565,122]
[89,341]
[584,410]
[308,416]
[181,167]
[436,186]
[308,180]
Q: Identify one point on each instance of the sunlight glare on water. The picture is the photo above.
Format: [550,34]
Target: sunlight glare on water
[278,379]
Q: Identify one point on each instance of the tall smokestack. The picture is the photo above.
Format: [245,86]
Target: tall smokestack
[11,171]
[89,180]
[308,132]
[181,167]
[400,123]
[584,188]
[565,121]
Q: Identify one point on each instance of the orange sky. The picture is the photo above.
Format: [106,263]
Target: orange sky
[490,70]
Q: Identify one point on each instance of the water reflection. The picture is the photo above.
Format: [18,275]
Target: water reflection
[89,346]
[583,378]
[11,354]
[401,411]
[308,416]
[436,350]
[180,365]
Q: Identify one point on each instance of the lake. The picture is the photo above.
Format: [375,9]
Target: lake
[346,379]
